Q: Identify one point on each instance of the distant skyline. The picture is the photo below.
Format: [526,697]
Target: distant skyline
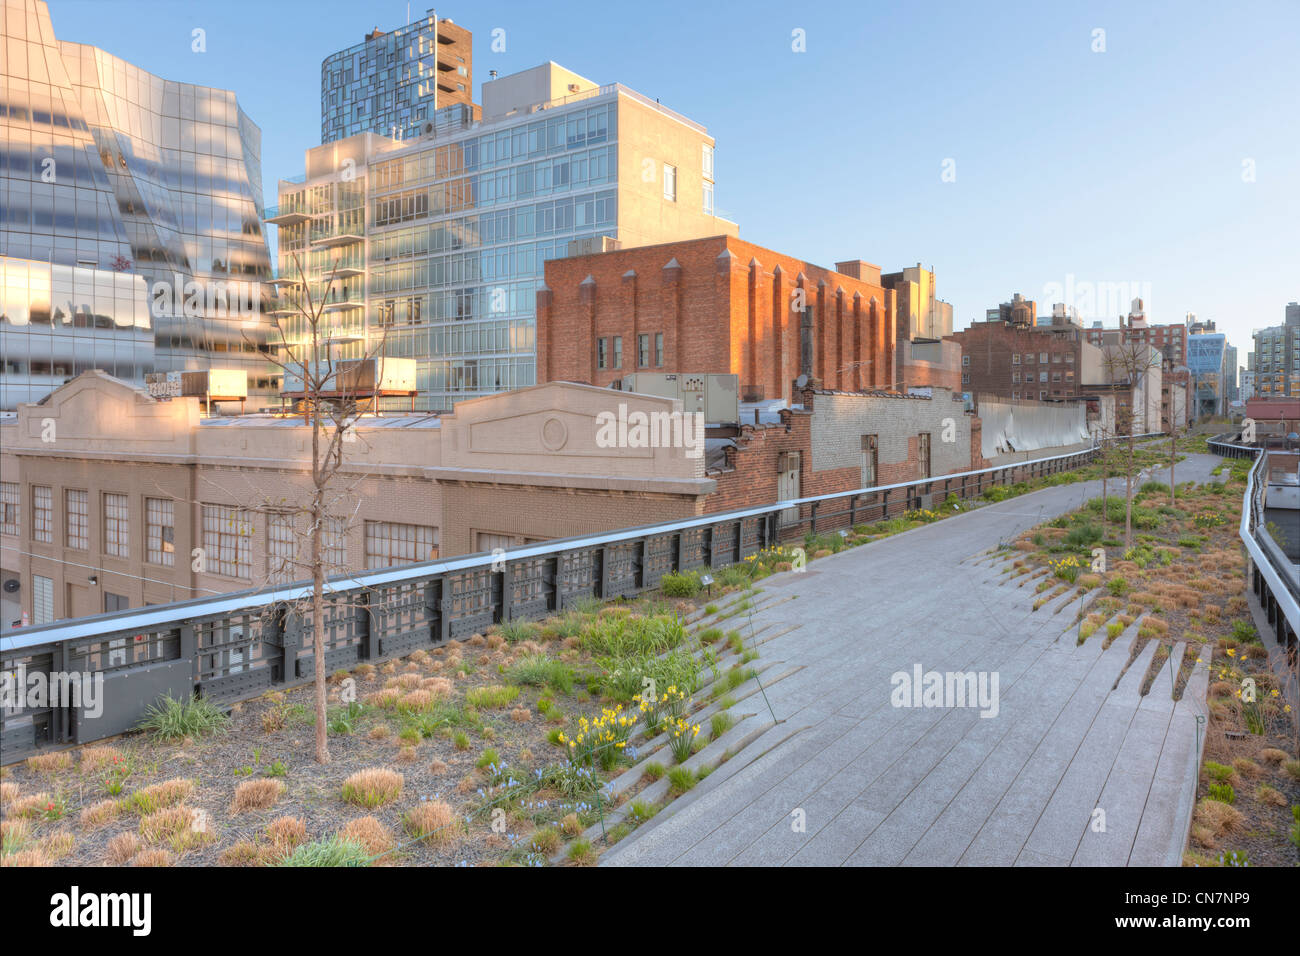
[986,141]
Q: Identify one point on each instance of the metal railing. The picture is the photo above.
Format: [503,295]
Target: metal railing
[240,645]
[1272,576]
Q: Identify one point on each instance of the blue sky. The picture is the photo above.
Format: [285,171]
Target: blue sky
[1121,167]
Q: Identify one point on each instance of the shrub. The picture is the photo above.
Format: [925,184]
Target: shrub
[432,819]
[1222,792]
[256,795]
[372,787]
[171,719]
[1082,537]
[491,697]
[680,780]
[332,851]
[285,833]
[545,841]
[1117,586]
[686,584]
[159,795]
[538,670]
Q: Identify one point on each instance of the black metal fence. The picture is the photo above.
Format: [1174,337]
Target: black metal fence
[1272,575]
[240,645]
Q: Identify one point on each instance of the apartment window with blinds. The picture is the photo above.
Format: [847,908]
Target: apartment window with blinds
[602,359]
[643,351]
[76,508]
[42,514]
[280,548]
[618,351]
[160,531]
[116,523]
[10,498]
[227,541]
[659,350]
[389,543]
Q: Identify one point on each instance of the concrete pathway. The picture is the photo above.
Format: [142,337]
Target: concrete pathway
[1075,767]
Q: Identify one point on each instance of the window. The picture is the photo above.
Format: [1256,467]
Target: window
[42,514]
[1042,376]
[10,497]
[76,508]
[708,199]
[1042,358]
[227,541]
[42,599]
[870,460]
[601,361]
[160,531]
[1015,359]
[659,350]
[670,183]
[389,543]
[1056,376]
[965,361]
[280,548]
[643,351]
[116,540]
[618,351]
[923,455]
[490,541]
[1015,378]
[334,545]
[707,166]
[965,378]
[1056,357]
[115,602]
[1029,358]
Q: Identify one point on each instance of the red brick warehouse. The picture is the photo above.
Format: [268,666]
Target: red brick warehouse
[714,305]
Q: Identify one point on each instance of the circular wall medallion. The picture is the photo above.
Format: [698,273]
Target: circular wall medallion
[554,434]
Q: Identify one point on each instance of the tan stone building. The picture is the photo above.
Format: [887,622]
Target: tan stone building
[113,499]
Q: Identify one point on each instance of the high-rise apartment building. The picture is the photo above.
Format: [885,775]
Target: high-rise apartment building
[1277,356]
[113,178]
[439,242]
[392,83]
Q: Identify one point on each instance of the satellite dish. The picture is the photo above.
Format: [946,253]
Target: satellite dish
[801,381]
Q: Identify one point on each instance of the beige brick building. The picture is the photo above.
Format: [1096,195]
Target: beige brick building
[113,499]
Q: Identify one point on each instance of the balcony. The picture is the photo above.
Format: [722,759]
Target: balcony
[337,240]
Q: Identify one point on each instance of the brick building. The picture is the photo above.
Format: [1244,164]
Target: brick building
[1041,362]
[831,441]
[716,305]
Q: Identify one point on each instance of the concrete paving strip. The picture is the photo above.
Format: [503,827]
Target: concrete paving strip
[867,782]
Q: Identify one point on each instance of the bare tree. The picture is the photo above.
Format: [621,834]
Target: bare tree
[331,407]
[1130,363]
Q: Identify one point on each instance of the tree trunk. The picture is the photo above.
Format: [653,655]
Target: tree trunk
[1128,491]
[318,631]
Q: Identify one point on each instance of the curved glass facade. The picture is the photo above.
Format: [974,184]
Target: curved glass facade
[106,166]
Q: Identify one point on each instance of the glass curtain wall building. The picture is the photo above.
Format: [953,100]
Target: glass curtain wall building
[439,244]
[108,167]
[393,83]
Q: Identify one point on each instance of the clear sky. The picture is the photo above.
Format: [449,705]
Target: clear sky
[1169,163]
